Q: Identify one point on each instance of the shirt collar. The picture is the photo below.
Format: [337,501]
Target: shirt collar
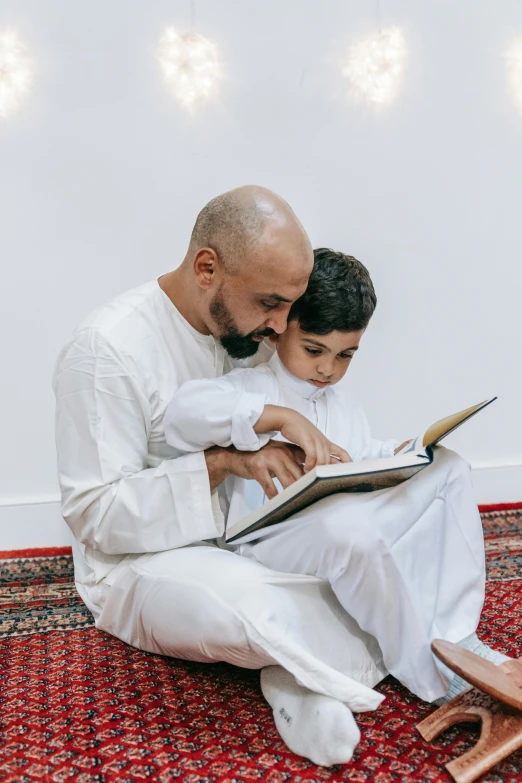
[205,339]
[302,388]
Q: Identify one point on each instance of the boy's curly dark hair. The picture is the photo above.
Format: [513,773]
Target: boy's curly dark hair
[340,295]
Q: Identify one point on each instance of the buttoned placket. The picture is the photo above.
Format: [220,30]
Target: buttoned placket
[321,412]
[219,359]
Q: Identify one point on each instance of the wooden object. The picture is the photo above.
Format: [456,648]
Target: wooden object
[495,700]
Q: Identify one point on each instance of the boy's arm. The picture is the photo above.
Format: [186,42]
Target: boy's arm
[220,412]
[226,412]
[296,428]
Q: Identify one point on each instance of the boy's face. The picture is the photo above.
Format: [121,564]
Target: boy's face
[320,359]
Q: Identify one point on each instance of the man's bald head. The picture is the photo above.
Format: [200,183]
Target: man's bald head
[238,223]
[248,260]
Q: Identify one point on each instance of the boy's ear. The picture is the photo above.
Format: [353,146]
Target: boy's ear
[274,338]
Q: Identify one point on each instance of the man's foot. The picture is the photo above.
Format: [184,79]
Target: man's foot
[314,726]
[474,645]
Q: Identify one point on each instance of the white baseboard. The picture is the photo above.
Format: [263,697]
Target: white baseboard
[37,522]
[498,483]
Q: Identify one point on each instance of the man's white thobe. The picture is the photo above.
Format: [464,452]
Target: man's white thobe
[407,563]
[145,523]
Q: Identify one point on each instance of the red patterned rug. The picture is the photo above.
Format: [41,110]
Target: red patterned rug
[78,705]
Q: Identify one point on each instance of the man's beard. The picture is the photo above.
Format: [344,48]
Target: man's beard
[237,345]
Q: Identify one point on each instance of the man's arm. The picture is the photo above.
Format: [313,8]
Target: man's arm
[218,465]
[111,500]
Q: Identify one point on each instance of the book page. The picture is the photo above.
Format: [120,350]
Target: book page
[444,426]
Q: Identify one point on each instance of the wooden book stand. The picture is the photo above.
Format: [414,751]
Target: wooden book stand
[495,701]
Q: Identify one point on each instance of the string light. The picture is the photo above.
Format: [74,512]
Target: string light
[514,73]
[375,65]
[190,65]
[16,72]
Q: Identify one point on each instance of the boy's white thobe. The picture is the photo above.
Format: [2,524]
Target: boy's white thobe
[407,563]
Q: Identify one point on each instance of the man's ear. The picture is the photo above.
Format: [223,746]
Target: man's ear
[206,264]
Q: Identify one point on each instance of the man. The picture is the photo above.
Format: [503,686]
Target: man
[150,561]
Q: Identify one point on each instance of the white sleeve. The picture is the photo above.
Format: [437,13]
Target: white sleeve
[379,448]
[220,411]
[111,500]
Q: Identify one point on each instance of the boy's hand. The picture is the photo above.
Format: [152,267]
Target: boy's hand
[402,445]
[317,448]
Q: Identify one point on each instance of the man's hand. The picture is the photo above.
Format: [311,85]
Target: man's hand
[282,461]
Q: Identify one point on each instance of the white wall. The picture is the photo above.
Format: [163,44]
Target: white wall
[101,176]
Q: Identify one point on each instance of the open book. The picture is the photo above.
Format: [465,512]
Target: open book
[362,476]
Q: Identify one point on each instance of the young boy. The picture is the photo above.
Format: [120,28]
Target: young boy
[293,397]
[380,545]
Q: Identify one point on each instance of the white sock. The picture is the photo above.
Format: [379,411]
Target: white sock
[474,645]
[314,726]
